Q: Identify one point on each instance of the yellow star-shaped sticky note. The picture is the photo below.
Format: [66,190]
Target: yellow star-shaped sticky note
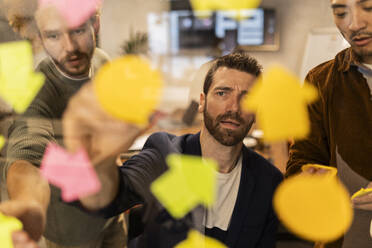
[7,226]
[197,240]
[315,207]
[129,88]
[206,7]
[19,84]
[189,181]
[280,101]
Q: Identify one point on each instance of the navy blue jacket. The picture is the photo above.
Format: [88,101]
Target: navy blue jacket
[253,223]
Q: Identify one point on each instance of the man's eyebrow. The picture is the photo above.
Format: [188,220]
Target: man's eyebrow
[50,32]
[223,88]
[338,5]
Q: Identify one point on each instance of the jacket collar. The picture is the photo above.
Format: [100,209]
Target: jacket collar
[349,58]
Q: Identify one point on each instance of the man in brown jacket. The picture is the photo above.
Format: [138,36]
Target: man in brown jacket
[341,120]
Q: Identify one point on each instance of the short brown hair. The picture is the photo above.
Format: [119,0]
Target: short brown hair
[237,60]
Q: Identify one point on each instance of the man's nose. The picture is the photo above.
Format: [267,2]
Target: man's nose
[234,104]
[357,21]
[70,44]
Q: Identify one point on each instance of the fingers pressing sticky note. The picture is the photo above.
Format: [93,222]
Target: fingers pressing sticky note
[7,226]
[19,84]
[280,102]
[129,89]
[361,192]
[315,207]
[197,240]
[74,12]
[189,181]
[73,173]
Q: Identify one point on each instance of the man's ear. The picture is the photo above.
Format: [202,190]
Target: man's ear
[201,103]
[96,23]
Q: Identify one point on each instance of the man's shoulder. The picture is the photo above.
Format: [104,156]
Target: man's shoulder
[324,69]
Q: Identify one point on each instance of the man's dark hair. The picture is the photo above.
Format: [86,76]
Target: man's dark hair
[237,60]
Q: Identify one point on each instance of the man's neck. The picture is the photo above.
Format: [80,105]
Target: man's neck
[226,156]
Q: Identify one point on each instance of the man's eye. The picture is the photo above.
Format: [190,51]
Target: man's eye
[220,93]
[79,31]
[52,36]
[368,8]
[340,14]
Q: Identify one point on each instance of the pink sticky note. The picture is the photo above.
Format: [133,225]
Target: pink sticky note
[76,12]
[73,173]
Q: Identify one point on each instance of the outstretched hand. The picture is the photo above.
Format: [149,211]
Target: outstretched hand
[87,125]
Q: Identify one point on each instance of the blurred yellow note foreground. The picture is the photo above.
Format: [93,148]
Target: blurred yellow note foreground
[197,240]
[7,226]
[315,207]
[280,102]
[189,181]
[129,89]
[19,84]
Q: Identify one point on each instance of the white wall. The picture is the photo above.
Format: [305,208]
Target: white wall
[296,19]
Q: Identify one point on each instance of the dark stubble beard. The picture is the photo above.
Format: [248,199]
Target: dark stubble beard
[227,137]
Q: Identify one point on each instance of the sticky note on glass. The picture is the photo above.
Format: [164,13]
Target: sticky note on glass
[280,102]
[8,225]
[314,207]
[2,141]
[73,173]
[75,12]
[208,6]
[19,84]
[189,181]
[197,240]
[129,89]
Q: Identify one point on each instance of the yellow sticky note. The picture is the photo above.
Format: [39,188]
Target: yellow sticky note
[7,226]
[189,181]
[361,192]
[315,207]
[2,141]
[197,240]
[212,5]
[280,102]
[19,84]
[129,89]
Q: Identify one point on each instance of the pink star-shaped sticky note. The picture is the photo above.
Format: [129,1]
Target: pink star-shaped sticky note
[73,173]
[76,12]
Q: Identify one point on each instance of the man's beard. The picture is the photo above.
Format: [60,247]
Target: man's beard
[84,57]
[227,137]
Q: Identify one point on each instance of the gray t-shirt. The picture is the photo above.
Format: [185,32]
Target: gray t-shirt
[31,132]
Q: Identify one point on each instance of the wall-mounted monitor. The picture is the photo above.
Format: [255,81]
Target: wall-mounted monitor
[186,32]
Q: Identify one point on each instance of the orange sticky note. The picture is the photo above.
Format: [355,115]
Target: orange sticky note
[314,207]
[7,226]
[280,102]
[197,240]
[129,89]
[73,173]
[189,181]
